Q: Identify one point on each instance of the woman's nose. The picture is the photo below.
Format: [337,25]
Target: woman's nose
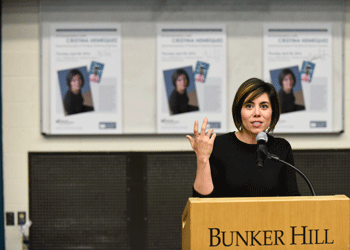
[257,111]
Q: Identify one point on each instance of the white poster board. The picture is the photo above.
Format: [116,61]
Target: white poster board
[191,77]
[298,62]
[85,79]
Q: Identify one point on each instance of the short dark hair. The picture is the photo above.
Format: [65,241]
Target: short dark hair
[256,88]
[178,73]
[73,73]
[285,72]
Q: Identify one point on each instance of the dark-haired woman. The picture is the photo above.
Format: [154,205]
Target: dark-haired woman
[73,100]
[226,164]
[179,101]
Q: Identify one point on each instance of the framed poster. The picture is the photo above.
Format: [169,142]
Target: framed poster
[298,62]
[85,79]
[191,76]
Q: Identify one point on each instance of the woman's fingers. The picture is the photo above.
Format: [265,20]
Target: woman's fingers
[204,126]
[210,132]
[195,129]
[212,138]
[190,139]
[202,143]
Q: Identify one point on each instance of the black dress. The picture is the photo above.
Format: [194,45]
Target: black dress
[235,173]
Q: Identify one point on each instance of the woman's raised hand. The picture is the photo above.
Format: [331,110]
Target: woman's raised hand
[202,143]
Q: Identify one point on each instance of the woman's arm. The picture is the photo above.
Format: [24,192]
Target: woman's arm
[202,144]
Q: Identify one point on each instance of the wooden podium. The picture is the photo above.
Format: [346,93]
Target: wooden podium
[303,222]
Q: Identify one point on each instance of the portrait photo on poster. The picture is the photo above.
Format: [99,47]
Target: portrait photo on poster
[288,85]
[200,74]
[95,73]
[181,90]
[75,90]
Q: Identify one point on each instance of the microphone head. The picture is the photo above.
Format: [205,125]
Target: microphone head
[261,136]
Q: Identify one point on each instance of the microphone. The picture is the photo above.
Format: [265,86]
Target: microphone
[261,152]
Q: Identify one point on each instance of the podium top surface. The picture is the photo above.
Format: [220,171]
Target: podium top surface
[268,199]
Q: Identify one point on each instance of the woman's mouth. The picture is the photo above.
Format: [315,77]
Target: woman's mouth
[256,124]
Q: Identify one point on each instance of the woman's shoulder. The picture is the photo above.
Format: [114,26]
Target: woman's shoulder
[225,137]
[278,142]
[223,140]
[222,143]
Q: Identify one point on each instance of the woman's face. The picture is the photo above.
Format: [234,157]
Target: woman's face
[181,84]
[75,84]
[256,115]
[287,83]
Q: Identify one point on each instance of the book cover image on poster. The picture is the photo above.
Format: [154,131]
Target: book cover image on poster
[288,85]
[75,90]
[200,74]
[95,73]
[181,90]
[307,71]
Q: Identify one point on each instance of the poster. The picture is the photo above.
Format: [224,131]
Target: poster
[298,62]
[191,77]
[85,79]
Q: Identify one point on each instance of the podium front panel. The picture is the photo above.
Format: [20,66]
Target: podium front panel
[320,222]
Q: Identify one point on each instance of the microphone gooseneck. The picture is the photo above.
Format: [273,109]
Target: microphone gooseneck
[262,153]
[276,158]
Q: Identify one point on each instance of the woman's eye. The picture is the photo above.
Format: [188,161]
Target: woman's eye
[264,106]
[249,106]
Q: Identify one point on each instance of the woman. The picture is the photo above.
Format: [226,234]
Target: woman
[227,168]
[179,100]
[73,100]
[287,81]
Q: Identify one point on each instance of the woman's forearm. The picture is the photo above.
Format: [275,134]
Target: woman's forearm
[203,183]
